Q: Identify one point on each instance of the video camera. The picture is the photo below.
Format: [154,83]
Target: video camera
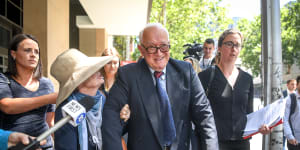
[194,50]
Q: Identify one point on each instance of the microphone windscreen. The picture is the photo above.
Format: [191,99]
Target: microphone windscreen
[87,102]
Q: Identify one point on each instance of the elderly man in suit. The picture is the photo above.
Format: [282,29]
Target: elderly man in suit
[164,96]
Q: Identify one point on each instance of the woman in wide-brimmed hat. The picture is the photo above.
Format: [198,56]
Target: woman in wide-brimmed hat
[79,76]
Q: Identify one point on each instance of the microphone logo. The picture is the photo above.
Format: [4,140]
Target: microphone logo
[80,118]
[76,111]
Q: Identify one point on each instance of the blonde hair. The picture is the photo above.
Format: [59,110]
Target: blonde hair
[195,64]
[109,52]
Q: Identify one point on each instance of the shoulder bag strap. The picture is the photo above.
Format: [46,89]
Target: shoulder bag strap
[212,75]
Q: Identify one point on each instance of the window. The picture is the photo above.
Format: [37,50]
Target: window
[3,63]
[12,10]
[14,13]
[4,36]
[2,7]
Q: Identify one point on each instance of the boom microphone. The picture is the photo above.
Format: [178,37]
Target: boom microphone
[74,112]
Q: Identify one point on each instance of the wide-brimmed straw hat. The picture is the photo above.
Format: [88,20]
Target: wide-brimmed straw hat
[71,68]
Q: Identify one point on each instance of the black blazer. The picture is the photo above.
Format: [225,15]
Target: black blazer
[230,105]
[134,86]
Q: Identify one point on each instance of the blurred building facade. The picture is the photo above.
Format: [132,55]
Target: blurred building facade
[88,25]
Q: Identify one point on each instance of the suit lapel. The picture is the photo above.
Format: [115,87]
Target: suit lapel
[175,90]
[150,99]
[178,98]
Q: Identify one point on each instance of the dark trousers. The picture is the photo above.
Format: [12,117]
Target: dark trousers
[293,147]
[234,145]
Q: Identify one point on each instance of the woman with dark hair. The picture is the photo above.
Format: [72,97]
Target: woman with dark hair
[26,98]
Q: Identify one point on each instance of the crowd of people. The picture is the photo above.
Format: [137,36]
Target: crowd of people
[156,103]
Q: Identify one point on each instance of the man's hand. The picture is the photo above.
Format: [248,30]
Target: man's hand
[125,113]
[264,129]
[293,141]
[16,137]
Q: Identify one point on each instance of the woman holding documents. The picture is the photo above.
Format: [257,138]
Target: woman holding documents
[230,91]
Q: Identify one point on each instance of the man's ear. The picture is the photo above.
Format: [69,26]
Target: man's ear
[141,49]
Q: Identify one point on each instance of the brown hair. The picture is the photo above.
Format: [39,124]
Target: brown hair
[288,81]
[12,69]
[228,32]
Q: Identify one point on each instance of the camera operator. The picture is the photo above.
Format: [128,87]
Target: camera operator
[208,59]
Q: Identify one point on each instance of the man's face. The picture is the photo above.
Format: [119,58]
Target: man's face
[155,37]
[208,50]
[292,85]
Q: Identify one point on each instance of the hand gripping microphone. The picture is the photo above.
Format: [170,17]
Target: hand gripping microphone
[73,112]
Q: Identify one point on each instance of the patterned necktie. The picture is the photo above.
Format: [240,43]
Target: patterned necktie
[169,130]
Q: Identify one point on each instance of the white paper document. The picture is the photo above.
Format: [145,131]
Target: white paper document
[270,115]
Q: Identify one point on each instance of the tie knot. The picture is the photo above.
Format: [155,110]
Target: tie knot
[157,74]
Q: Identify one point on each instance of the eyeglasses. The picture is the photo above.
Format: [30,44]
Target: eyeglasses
[230,44]
[153,49]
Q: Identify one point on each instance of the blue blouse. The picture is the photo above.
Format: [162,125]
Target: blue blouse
[32,122]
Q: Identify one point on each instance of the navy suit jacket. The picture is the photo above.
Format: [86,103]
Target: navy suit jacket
[285,93]
[134,86]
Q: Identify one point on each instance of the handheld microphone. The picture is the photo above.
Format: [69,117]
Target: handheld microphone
[74,112]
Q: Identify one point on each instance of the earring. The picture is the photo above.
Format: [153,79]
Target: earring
[14,58]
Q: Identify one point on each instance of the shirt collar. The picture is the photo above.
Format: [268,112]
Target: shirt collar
[163,77]
[297,95]
[289,92]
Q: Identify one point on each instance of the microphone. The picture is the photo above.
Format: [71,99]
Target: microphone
[73,112]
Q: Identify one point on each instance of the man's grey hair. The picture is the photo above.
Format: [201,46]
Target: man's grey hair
[150,25]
